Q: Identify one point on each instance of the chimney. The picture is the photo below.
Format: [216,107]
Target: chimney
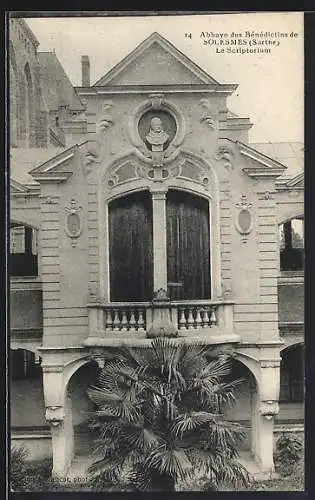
[85,66]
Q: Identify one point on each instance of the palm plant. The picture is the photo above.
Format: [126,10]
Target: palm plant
[160,420]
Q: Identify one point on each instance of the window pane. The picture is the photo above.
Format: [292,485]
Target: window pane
[17,239]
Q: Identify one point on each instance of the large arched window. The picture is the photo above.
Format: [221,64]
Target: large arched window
[131,248]
[188,246]
[135,262]
[23,251]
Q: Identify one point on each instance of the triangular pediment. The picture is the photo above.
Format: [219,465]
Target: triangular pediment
[258,164]
[57,169]
[156,62]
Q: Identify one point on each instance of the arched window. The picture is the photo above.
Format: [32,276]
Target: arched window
[29,104]
[184,229]
[131,248]
[23,250]
[188,246]
[292,245]
[14,99]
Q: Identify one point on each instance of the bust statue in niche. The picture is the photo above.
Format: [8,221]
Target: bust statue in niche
[157,129]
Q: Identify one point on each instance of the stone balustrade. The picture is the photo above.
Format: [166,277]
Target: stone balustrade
[134,319]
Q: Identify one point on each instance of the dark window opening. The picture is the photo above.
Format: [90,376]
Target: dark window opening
[292,376]
[24,365]
[292,245]
[131,248]
[23,251]
[188,246]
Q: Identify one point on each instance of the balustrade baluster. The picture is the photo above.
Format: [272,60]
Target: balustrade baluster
[213,318]
[190,320]
[116,322]
[198,318]
[205,318]
[132,321]
[140,321]
[124,321]
[109,320]
[182,320]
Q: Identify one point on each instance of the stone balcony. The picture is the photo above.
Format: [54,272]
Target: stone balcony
[209,321]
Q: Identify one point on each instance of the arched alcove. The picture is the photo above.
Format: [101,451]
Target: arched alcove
[244,393]
[291,399]
[85,376]
[26,391]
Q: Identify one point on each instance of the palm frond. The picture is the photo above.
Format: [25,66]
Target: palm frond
[190,421]
[171,462]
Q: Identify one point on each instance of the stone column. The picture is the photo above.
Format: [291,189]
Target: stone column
[159,240]
[264,408]
[59,416]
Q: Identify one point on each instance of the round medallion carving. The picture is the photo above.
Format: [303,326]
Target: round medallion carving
[157,128]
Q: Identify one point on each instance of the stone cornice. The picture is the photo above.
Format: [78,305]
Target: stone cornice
[265,166]
[226,89]
[52,177]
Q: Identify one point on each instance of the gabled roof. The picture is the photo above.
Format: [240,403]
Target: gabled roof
[260,165]
[164,53]
[56,85]
[22,160]
[53,170]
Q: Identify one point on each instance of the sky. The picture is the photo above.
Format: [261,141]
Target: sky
[271,85]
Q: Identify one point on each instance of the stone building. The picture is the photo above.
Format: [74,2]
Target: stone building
[137,196]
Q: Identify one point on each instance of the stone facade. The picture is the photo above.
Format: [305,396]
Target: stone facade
[209,156]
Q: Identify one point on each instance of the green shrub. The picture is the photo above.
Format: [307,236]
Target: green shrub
[289,454]
[18,468]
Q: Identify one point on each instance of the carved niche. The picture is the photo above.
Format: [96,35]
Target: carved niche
[73,221]
[244,218]
[156,129]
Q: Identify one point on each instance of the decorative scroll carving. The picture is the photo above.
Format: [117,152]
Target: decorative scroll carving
[224,154]
[244,218]
[266,196]
[207,116]
[106,120]
[93,150]
[98,358]
[73,222]
[160,294]
[269,409]
[54,415]
[156,100]
[124,172]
